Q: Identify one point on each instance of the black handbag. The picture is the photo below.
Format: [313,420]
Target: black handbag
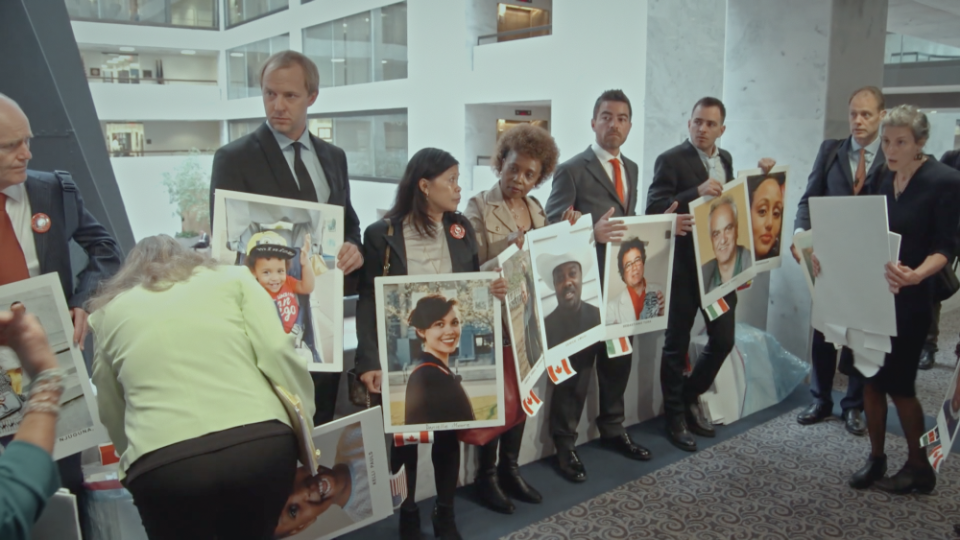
[945,282]
[358,393]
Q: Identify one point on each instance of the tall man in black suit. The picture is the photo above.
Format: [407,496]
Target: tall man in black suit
[843,167]
[601,182]
[40,213]
[282,159]
[696,168]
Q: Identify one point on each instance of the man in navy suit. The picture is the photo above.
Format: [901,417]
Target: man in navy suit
[40,213]
[843,167]
[283,159]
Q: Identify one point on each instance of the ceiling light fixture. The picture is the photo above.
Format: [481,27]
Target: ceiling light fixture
[236,54]
[188,52]
[127,49]
[337,60]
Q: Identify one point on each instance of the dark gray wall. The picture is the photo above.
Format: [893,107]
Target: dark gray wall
[42,71]
[942,73]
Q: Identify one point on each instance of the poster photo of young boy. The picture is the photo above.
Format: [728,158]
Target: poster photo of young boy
[290,249]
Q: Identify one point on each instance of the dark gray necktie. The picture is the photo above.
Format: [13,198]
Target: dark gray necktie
[308,192]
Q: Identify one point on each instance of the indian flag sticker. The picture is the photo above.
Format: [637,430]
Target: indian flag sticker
[619,347]
[716,309]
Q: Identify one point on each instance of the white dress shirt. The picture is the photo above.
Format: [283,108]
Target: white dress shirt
[21,216]
[310,161]
[605,158]
[868,156]
[713,164]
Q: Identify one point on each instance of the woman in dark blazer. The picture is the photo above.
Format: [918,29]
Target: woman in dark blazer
[424,234]
[434,393]
[525,157]
[923,206]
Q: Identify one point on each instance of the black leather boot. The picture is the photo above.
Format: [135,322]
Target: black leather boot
[444,526]
[874,470]
[908,480]
[410,523]
[509,470]
[487,482]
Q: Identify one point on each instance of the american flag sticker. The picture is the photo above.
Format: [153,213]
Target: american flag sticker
[619,347]
[421,437]
[532,404]
[936,457]
[398,487]
[930,437]
[560,371]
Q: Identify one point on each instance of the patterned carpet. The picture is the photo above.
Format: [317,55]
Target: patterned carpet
[779,480]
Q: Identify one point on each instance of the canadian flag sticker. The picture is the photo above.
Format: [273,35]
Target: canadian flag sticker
[560,371]
[531,404]
[422,437]
[936,457]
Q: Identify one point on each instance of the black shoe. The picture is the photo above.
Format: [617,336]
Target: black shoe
[908,480]
[490,494]
[814,413]
[444,526]
[569,465]
[854,421]
[623,444]
[679,435]
[410,523]
[869,473]
[513,484]
[927,359]
[697,422]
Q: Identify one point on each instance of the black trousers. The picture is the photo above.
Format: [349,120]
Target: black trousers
[446,466]
[568,399]
[236,493]
[684,305]
[325,389]
[824,360]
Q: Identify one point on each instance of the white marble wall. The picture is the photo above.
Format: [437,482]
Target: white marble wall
[787,65]
[684,63]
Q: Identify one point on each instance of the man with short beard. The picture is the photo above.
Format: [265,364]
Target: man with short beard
[602,182]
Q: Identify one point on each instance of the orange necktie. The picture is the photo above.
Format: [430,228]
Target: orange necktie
[861,174]
[13,266]
[618,180]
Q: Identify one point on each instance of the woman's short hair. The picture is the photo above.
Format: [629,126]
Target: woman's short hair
[626,247]
[411,202]
[156,263]
[531,141]
[911,117]
[285,59]
[430,309]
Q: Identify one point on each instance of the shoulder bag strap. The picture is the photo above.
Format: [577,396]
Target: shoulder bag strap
[386,256]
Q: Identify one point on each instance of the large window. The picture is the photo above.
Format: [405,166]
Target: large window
[366,47]
[190,13]
[241,11]
[244,63]
[375,144]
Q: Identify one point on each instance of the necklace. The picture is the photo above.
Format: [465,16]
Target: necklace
[900,182]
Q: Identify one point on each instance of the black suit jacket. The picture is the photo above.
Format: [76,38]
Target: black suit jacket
[255,164]
[838,179]
[582,183]
[952,159]
[46,194]
[463,257]
[676,175]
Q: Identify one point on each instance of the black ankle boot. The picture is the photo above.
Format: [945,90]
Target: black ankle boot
[444,526]
[509,470]
[910,479]
[488,484]
[874,470]
[410,523]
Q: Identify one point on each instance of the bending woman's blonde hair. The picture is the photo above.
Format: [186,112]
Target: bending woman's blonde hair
[156,263]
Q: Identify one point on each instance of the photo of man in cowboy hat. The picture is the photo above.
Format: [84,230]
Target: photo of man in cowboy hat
[563,273]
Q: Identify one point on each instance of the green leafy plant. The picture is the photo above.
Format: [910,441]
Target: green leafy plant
[189,189]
